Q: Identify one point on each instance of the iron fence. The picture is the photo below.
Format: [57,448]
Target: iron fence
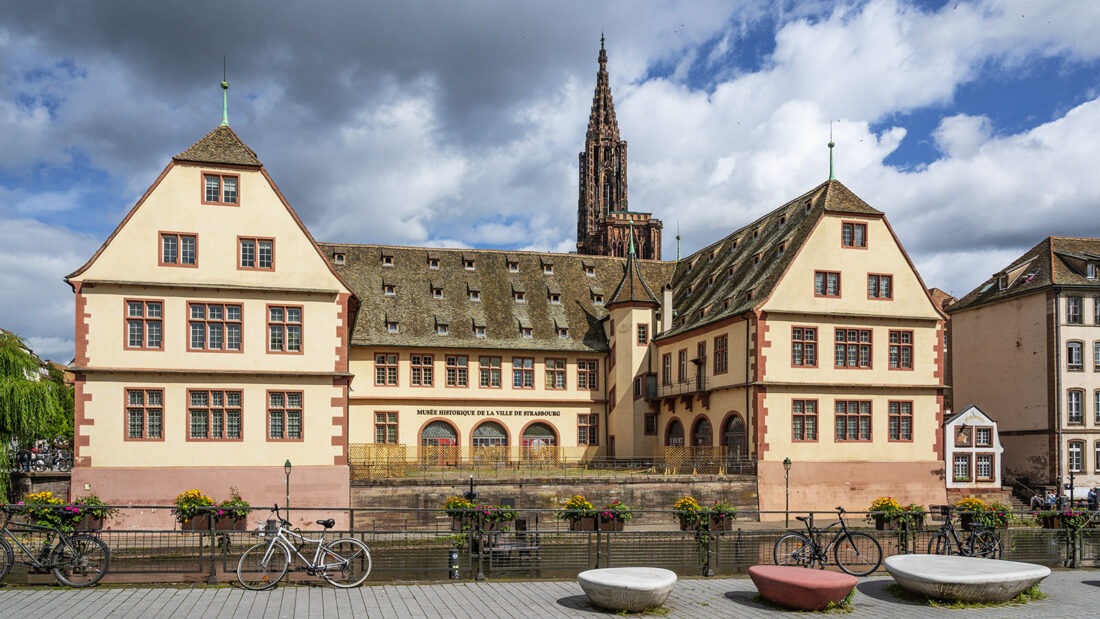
[539,544]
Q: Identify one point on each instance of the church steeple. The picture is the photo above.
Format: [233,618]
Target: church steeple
[602,206]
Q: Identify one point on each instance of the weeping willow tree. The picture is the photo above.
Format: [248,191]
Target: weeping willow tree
[30,404]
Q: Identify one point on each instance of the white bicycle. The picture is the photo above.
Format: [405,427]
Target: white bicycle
[343,562]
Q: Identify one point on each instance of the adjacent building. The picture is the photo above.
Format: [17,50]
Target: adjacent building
[1020,345]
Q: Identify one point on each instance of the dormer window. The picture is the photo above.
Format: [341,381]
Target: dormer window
[389,290]
[547,269]
[441,329]
[563,333]
[756,259]
[468,264]
[1090,270]
[437,293]
[782,248]
[338,259]
[734,244]
[519,296]
[756,233]
[475,295]
[1002,282]
[590,270]
[555,298]
[479,331]
[513,267]
[433,263]
[387,261]
[391,326]
[597,299]
[526,333]
[782,220]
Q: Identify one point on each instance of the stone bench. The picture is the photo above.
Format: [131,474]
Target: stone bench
[966,579]
[799,588]
[627,588]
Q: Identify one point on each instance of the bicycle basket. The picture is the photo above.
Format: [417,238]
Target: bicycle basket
[271,527]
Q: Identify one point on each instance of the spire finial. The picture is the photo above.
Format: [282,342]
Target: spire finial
[601,39]
[631,250]
[677,240]
[832,176]
[225,97]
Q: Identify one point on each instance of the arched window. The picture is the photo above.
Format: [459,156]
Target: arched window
[675,437]
[438,434]
[490,434]
[539,435]
[733,437]
[703,434]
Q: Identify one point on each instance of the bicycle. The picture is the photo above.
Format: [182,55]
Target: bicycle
[982,541]
[343,562]
[855,553]
[77,559]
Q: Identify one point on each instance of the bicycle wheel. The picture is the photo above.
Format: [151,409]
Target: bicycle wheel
[940,544]
[263,566]
[985,544]
[345,562]
[793,549]
[858,554]
[8,558]
[81,561]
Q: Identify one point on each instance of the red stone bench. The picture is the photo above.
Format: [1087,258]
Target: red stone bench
[800,588]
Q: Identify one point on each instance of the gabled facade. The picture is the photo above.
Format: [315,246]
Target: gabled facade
[808,335]
[1026,343]
[212,340]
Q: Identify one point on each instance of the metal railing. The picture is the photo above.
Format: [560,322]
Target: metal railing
[425,546]
[688,386]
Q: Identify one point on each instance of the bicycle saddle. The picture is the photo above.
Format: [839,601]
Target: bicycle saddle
[802,518]
[328,524]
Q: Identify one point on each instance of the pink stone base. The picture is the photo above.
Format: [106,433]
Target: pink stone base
[800,588]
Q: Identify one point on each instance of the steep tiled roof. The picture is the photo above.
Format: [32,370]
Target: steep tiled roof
[633,287]
[941,299]
[418,312]
[738,273]
[1055,261]
[220,146]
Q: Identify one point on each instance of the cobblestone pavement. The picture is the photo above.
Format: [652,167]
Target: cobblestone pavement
[1069,593]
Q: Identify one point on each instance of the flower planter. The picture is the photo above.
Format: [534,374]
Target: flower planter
[230,524]
[587,523]
[912,523]
[686,524]
[1051,522]
[89,523]
[965,521]
[611,525]
[456,523]
[883,523]
[198,523]
[721,524]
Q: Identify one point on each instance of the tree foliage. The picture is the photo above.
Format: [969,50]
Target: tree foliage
[32,405]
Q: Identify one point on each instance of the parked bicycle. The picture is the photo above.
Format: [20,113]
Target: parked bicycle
[856,553]
[982,541]
[343,562]
[76,559]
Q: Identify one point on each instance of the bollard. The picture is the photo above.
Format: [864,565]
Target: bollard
[452,563]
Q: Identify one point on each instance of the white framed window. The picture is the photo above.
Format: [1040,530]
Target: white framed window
[437,293]
[1073,406]
[441,329]
[960,470]
[1074,307]
[598,299]
[387,261]
[526,333]
[392,326]
[564,333]
[389,290]
[433,264]
[547,269]
[519,296]
[590,271]
[468,265]
[983,466]
[555,298]
[479,331]
[1076,455]
[1074,362]
[513,267]
[474,295]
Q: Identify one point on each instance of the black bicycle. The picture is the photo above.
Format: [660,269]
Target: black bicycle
[77,559]
[856,553]
[982,541]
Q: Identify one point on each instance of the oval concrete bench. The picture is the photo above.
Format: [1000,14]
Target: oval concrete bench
[800,588]
[627,588]
[966,579]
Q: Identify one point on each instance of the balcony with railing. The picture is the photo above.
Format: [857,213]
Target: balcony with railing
[697,385]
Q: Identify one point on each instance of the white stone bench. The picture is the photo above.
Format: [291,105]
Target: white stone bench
[627,588]
[966,579]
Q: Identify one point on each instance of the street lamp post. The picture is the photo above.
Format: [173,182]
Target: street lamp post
[286,469]
[787,491]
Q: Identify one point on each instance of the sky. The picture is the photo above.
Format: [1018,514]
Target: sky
[972,124]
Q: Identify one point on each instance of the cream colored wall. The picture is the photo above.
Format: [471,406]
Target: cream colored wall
[107,337]
[737,343]
[107,417]
[1000,362]
[822,252]
[626,415]
[477,404]
[176,206]
[826,448]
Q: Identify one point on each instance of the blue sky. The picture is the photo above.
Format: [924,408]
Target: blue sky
[972,124]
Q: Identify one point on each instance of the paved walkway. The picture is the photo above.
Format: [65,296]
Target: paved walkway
[1070,593]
